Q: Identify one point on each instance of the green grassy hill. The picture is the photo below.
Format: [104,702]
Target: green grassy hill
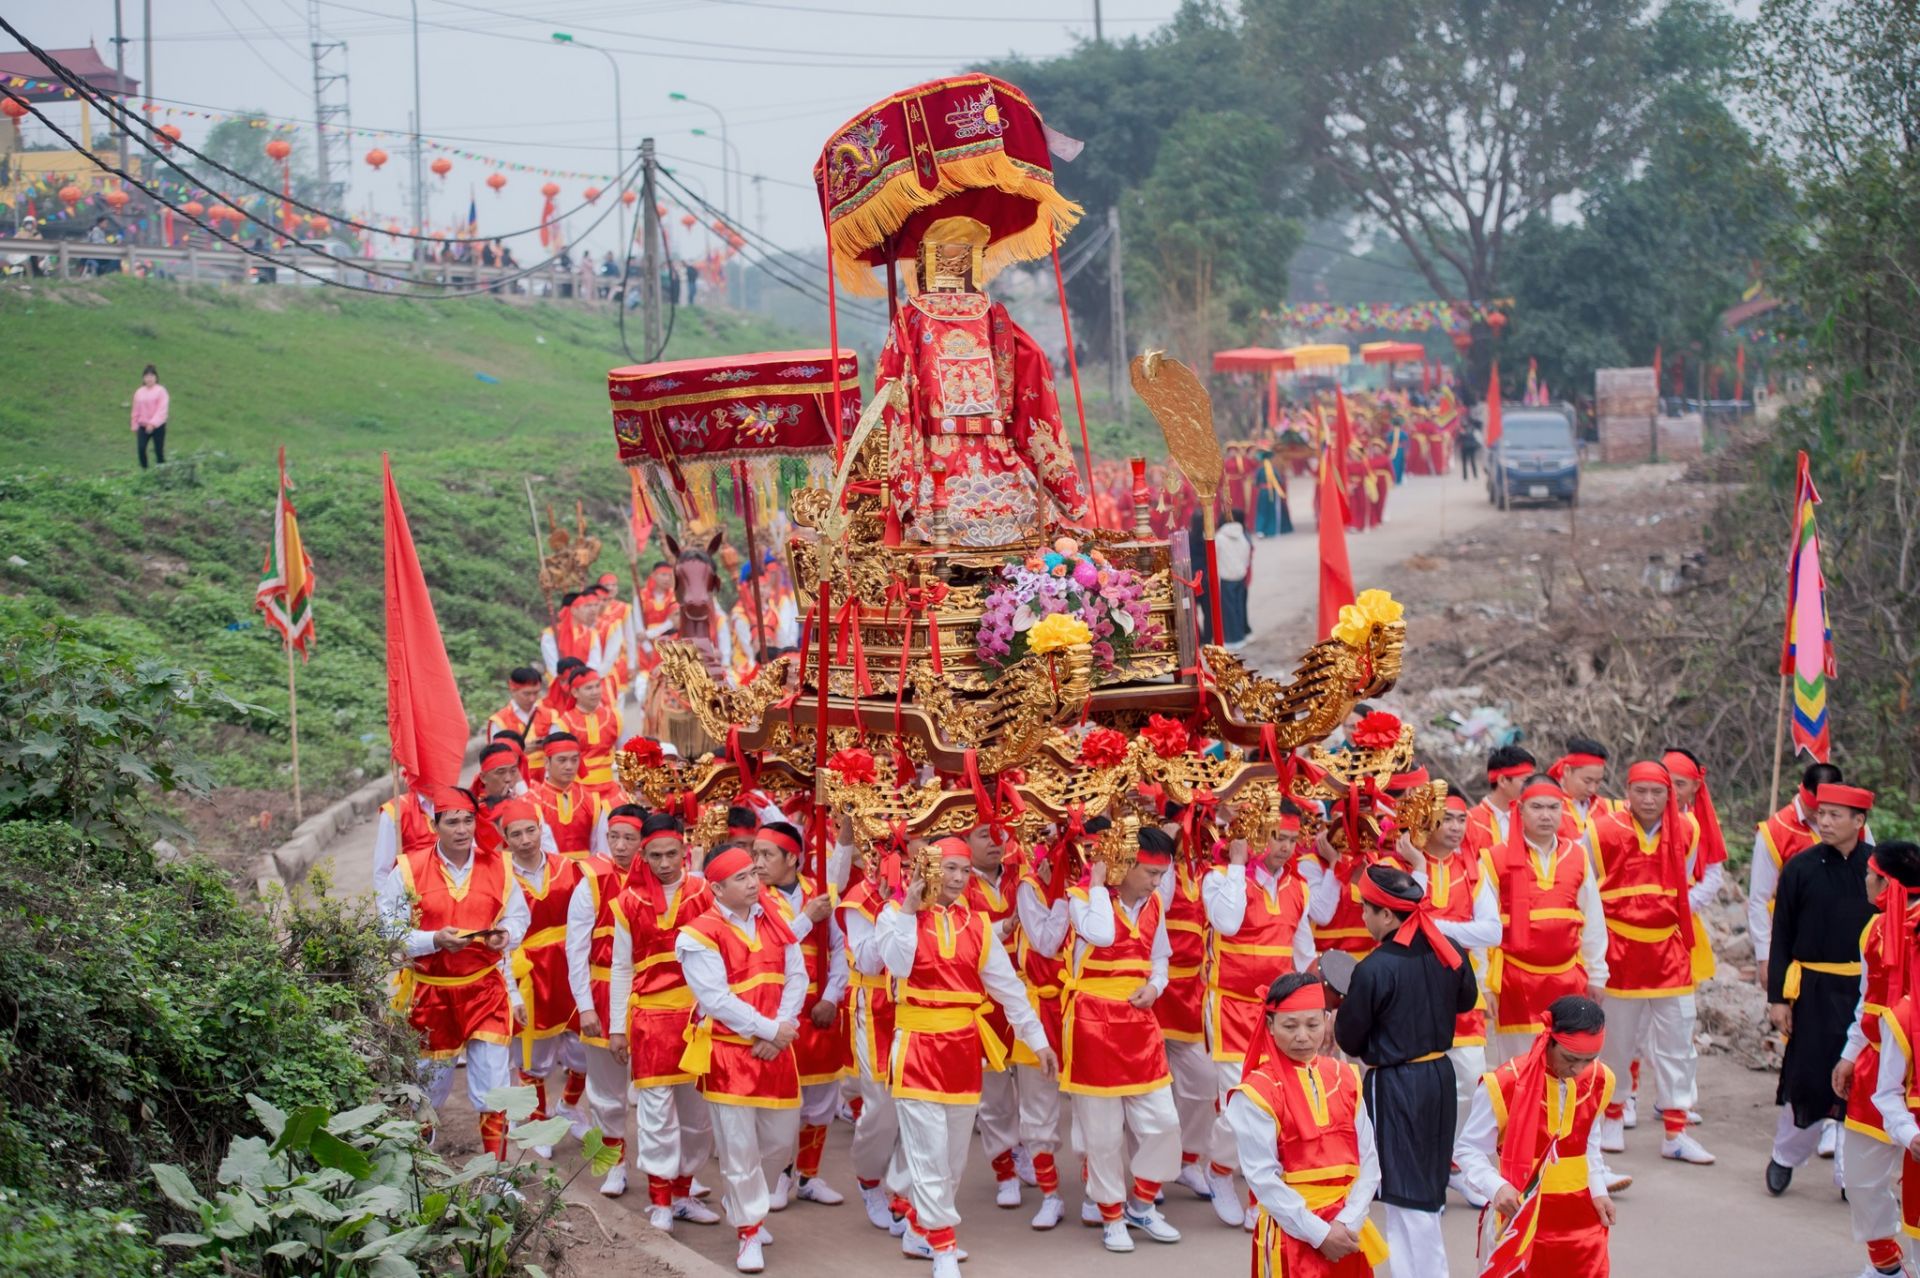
[164,562]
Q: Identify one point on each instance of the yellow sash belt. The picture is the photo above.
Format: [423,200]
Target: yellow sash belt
[1117,988]
[1021,1054]
[1319,1195]
[522,967]
[914,1018]
[676,999]
[698,1057]
[1790,988]
[403,988]
[1564,1176]
[1644,935]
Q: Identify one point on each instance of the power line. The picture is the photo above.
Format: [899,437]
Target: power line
[1078,20]
[254,49]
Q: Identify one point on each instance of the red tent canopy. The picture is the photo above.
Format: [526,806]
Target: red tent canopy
[1393,352]
[1252,359]
[84,63]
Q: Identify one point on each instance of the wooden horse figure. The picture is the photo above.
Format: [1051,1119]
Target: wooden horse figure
[665,716]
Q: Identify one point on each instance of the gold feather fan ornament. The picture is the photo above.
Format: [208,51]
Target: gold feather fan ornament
[1183,408]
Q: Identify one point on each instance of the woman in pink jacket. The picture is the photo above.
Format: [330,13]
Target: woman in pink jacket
[150,417]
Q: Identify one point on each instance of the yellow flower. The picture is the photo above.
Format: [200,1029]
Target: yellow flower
[1055,631]
[1357,619]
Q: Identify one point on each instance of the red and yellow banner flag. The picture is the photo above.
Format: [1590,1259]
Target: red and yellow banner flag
[1806,650]
[285,596]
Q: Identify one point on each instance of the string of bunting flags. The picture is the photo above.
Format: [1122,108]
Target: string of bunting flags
[1390,317]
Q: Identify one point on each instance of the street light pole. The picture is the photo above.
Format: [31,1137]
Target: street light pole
[419,187]
[619,142]
[733,155]
[727,171]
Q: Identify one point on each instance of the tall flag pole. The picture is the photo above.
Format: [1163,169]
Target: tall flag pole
[1806,647]
[425,720]
[285,601]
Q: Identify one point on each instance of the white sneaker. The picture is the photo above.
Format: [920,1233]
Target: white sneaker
[946,1264]
[1007,1193]
[1684,1148]
[1194,1177]
[1146,1218]
[915,1245]
[1052,1208]
[1089,1214]
[750,1261]
[1023,1166]
[874,1199]
[1248,1218]
[815,1190]
[766,1235]
[543,1152]
[1226,1199]
[1457,1182]
[1630,1113]
[1693,1118]
[1828,1138]
[694,1212]
[661,1218]
[616,1182]
[1114,1235]
[1613,1136]
[698,1190]
[845,1114]
[897,1226]
[782,1190]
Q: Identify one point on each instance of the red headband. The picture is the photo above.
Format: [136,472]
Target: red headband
[1681,766]
[953,847]
[515,810]
[1542,790]
[501,754]
[1582,1042]
[1289,823]
[658,835]
[1845,796]
[785,842]
[523,683]
[1713,842]
[1311,997]
[576,675]
[1511,770]
[1647,772]
[449,799]
[1576,760]
[728,863]
[1457,803]
[1419,919]
[1518,1156]
[1407,780]
[563,747]
[1153,859]
[624,818]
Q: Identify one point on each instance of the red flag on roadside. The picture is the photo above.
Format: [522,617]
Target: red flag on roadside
[425,720]
[1740,372]
[1493,406]
[1336,576]
[1657,391]
[1342,433]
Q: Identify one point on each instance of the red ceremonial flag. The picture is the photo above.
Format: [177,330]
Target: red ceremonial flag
[1656,372]
[425,720]
[1342,436]
[1336,576]
[1493,407]
[285,593]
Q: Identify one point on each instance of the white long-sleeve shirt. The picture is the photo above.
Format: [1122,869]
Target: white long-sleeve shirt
[620,979]
[580,915]
[835,989]
[396,911]
[1224,894]
[863,943]
[706,974]
[1890,1093]
[1763,880]
[899,937]
[1476,1149]
[1323,890]
[1257,1138]
[1095,923]
[1483,929]
[386,838]
[1045,925]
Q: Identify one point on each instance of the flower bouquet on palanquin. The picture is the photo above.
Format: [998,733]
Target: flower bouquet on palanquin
[1039,599]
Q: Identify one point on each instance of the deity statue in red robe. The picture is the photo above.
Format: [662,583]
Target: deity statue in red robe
[981,408]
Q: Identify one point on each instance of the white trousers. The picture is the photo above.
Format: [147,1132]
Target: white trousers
[1665,1026]
[544,1054]
[878,1128]
[819,1102]
[1502,1048]
[1194,1099]
[1101,1126]
[1415,1246]
[1872,1175]
[999,1112]
[608,1083]
[745,1136]
[1794,1146]
[1469,1063]
[674,1130]
[1222,1148]
[930,1159]
[1041,1113]
[489,1065]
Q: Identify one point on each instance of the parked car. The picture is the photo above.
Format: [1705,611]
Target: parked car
[1535,458]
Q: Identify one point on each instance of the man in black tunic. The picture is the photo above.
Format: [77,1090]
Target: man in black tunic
[1397,1017]
[1813,979]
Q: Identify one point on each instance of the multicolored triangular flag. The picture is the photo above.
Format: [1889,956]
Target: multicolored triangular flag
[1806,650]
[285,596]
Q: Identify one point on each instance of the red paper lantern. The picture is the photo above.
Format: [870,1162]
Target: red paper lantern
[279,148]
[628,197]
[12,109]
[550,189]
[193,208]
[169,134]
[116,199]
[70,195]
[376,158]
[592,193]
[688,220]
[319,225]
[1462,340]
[496,181]
[660,209]
[441,166]
[1496,321]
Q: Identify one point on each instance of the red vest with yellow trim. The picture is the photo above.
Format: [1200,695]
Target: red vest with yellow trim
[1112,1047]
[1903,1022]
[606,881]
[1315,1110]
[1568,1238]
[757,975]
[1862,1115]
[1786,836]
[1576,824]
[456,998]
[1241,967]
[819,1054]
[660,1008]
[1484,832]
[869,998]
[1526,981]
[1452,882]
[1647,952]
[996,901]
[599,735]
[941,1029]
[1180,1007]
[540,964]
[412,822]
[655,610]
[1347,929]
[571,814]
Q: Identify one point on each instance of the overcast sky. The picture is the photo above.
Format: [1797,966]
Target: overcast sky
[784,73]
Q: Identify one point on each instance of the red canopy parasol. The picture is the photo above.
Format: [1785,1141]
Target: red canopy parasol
[1393,352]
[1252,359]
[729,406]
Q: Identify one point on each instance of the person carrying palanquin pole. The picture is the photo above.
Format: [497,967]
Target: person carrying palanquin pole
[1531,1148]
[596,726]
[546,1022]
[949,967]
[870,1018]
[1038,953]
[458,912]
[1306,1144]
[992,892]
[1813,981]
[1181,1007]
[1581,771]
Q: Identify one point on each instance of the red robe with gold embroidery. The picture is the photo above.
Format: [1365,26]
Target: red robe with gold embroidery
[981,409]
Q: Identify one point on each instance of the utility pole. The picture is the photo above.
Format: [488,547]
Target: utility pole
[650,249]
[419,188]
[146,85]
[120,73]
[332,131]
[1099,32]
[1117,318]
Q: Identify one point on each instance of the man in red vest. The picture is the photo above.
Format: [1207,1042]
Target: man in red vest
[543,1013]
[576,816]
[590,931]
[458,911]
[405,825]
[1508,768]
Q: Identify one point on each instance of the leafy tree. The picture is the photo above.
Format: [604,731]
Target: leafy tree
[240,143]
